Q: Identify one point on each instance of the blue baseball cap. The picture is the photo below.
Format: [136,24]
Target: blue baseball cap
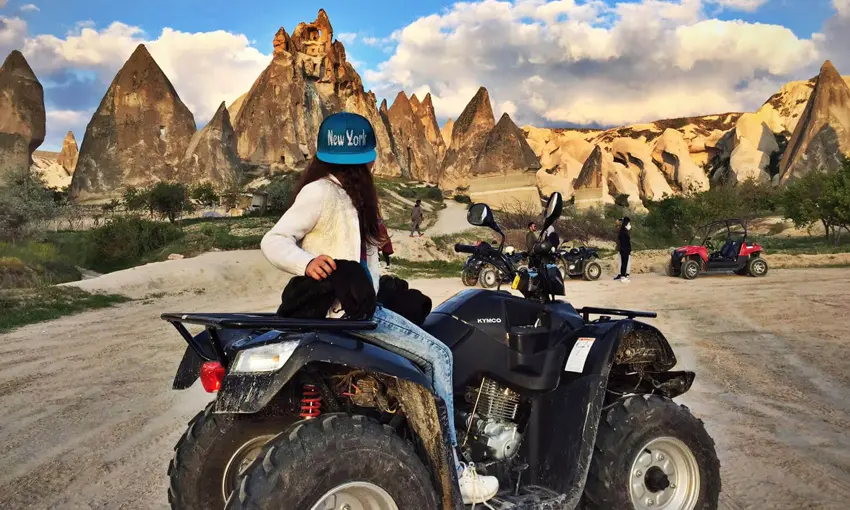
[346,139]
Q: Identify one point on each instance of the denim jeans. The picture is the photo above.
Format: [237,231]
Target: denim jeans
[399,335]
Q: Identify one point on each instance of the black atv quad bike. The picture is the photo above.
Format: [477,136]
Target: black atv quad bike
[579,263]
[489,266]
[568,408]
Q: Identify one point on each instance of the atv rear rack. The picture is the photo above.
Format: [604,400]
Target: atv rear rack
[587,311]
[264,321]
[251,321]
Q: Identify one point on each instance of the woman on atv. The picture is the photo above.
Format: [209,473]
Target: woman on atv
[335,215]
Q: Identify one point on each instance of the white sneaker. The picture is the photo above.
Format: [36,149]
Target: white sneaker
[625,279]
[475,488]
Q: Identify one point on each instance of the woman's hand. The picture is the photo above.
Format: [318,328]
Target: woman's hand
[320,267]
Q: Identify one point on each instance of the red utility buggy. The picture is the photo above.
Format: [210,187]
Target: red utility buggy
[724,249]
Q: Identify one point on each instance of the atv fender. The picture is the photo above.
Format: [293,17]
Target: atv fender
[562,431]
[247,393]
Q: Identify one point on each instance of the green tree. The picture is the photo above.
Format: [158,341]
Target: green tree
[135,199]
[111,206]
[279,193]
[206,194]
[168,200]
[26,205]
[820,197]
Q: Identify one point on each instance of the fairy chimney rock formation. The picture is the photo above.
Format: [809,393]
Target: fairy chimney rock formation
[468,137]
[446,132]
[211,155]
[137,136]
[415,154]
[505,151]
[428,118]
[69,154]
[308,79]
[822,136]
[22,117]
[415,104]
[591,186]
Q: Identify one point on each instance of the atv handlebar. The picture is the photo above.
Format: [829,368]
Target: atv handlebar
[464,248]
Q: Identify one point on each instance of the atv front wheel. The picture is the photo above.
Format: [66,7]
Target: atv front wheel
[652,453]
[562,267]
[669,271]
[489,277]
[690,269]
[211,453]
[469,279]
[323,464]
[757,267]
[592,271]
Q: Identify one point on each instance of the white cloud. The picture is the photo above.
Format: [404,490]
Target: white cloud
[205,68]
[29,8]
[741,5]
[347,37]
[565,61]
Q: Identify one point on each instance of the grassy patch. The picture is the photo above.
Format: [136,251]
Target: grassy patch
[32,264]
[803,245]
[30,306]
[395,194]
[408,269]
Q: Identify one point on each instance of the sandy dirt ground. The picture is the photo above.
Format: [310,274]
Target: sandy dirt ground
[89,418]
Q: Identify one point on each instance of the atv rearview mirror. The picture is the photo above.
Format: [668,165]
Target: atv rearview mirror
[553,209]
[481,215]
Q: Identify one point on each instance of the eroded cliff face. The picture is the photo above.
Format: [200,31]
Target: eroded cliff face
[308,79]
[137,136]
[22,116]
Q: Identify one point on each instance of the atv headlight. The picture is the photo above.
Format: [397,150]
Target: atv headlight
[266,358]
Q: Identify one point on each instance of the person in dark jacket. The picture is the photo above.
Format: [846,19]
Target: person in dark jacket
[531,237]
[624,248]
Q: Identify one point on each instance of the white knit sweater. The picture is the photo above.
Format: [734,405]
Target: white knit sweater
[321,221]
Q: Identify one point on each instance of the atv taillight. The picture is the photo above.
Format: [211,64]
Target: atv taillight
[212,373]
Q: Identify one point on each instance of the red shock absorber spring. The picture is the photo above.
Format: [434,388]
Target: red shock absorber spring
[311,402]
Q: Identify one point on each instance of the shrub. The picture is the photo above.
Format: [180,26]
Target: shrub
[205,194]
[463,199]
[820,197]
[26,205]
[122,242]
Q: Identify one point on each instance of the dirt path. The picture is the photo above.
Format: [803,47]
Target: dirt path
[450,220]
[89,418]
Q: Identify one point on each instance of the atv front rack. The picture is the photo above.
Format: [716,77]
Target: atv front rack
[587,311]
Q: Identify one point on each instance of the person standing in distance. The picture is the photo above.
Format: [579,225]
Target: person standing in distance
[624,248]
[416,218]
[335,216]
[531,237]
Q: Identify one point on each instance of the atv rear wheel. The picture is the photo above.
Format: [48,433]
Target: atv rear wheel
[489,277]
[690,269]
[757,267]
[469,279]
[592,271]
[652,453]
[211,453]
[319,464]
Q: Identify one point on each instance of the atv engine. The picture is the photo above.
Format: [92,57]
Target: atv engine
[491,428]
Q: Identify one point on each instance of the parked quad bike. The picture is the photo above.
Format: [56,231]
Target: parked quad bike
[570,408]
[736,255]
[491,267]
[579,263]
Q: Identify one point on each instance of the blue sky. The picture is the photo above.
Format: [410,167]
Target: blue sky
[557,62]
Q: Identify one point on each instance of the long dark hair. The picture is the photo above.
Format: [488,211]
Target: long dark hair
[357,181]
